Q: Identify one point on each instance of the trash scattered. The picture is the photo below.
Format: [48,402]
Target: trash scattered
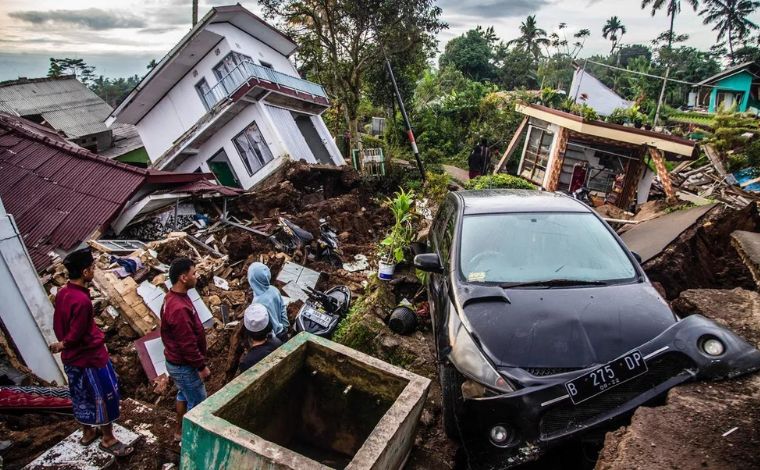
[297,280]
[221,283]
[360,263]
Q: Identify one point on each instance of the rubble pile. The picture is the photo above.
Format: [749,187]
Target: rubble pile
[302,193]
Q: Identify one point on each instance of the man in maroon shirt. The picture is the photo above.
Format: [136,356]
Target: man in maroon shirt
[92,381]
[184,341]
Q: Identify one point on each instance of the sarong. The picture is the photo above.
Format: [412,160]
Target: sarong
[94,394]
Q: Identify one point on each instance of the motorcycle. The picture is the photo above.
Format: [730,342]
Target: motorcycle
[300,244]
[322,311]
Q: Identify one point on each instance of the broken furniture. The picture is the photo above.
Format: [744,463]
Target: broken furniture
[310,404]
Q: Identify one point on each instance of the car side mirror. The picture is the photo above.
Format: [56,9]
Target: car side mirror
[637,256]
[428,262]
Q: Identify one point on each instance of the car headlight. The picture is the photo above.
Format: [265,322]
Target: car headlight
[467,358]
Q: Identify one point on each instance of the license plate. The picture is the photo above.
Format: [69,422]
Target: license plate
[606,377]
[319,318]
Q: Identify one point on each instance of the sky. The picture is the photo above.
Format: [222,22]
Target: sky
[120,37]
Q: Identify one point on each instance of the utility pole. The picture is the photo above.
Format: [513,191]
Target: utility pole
[195,12]
[667,70]
[409,131]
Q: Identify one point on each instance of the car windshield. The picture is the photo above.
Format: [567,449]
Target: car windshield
[540,247]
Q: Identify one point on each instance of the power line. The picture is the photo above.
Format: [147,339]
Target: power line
[647,74]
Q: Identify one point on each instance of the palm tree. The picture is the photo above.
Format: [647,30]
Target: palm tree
[673,8]
[611,30]
[532,38]
[731,18]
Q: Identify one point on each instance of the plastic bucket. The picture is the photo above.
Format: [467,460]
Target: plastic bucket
[385,271]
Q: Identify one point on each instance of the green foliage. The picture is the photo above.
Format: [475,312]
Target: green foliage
[498,181]
[436,187]
[630,115]
[585,111]
[400,236]
[699,119]
[472,53]
[77,67]
[730,140]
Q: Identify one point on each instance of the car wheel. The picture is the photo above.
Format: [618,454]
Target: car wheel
[451,392]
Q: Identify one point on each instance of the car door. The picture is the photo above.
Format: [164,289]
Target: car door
[443,235]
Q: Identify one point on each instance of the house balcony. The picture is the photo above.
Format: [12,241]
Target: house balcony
[245,84]
[253,81]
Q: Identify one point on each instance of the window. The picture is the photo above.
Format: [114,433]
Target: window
[530,247]
[231,71]
[253,150]
[536,154]
[204,91]
[266,64]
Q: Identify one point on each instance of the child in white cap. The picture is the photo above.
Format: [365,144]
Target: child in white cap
[258,329]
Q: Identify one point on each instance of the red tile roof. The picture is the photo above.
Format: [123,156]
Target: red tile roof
[59,193]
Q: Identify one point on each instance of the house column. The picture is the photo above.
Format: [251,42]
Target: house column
[662,172]
[556,158]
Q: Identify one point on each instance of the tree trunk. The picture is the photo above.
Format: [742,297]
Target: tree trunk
[730,46]
[667,71]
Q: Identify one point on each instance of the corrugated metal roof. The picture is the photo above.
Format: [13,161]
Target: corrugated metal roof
[125,139]
[65,103]
[58,193]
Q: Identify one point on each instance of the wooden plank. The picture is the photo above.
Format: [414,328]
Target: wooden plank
[714,157]
[134,312]
[511,146]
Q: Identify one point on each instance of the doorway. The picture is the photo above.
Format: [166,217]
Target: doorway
[220,166]
[312,138]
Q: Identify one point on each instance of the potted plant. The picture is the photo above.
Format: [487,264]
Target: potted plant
[393,246]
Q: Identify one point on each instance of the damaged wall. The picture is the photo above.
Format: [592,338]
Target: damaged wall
[25,311]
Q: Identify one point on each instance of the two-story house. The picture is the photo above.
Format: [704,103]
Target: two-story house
[227,99]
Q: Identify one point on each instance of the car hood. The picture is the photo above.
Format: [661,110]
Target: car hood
[565,327]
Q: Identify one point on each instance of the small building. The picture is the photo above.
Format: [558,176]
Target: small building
[61,195]
[67,106]
[736,87]
[589,90]
[562,151]
[228,99]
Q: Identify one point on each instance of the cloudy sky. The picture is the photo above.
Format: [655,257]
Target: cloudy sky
[121,37]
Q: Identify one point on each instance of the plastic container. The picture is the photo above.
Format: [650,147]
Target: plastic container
[385,270]
[403,320]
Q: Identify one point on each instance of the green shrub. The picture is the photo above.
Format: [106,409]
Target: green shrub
[498,181]
[436,187]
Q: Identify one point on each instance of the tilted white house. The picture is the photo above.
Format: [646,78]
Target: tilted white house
[227,99]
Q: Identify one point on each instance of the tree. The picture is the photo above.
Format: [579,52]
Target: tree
[632,51]
[514,68]
[673,8]
[532,38]
[151,65]
[472,53]
[341,40]
[614,31]
[731,20]
[77,67]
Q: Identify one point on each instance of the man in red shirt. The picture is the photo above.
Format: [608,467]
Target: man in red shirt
[92,381]
[184,340]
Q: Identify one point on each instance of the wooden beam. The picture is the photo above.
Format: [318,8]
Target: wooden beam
[511,146]
[557,158]
[662,172]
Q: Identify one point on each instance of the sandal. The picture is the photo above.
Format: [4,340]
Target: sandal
[118,450]
[87,442]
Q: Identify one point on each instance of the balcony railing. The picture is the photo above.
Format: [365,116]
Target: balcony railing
[247,71]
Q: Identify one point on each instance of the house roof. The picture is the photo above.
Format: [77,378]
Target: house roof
[125,139]
[60,194]
[184,56]
[751,67]
[65,103]
[667,143]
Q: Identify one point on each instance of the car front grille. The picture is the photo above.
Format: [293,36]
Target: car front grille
[546,371]
[567,417]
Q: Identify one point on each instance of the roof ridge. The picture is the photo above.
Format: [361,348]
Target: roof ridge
[75,150]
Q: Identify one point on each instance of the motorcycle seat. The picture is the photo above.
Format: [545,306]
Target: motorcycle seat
[300,233]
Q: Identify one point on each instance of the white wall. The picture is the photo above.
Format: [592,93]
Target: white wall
[223,139]
[240,41]
[25,309]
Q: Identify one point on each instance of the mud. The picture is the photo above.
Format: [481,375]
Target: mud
[702,257]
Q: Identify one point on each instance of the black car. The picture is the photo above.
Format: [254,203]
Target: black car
[546,325]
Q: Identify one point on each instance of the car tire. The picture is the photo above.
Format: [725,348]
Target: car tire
[451,392]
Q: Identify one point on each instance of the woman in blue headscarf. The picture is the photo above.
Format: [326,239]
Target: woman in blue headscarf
[264,293]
